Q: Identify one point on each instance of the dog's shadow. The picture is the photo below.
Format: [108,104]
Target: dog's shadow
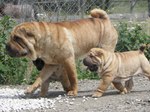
[88,93]
[55,94]
[81,94]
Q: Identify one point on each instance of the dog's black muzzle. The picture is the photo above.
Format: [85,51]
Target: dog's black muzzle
[90,65]
[14,52]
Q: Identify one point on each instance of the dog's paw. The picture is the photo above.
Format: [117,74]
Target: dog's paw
[42,95]
[72,93]
[67,89]
[112,86]
[28,90]
[124,91]
[97,94]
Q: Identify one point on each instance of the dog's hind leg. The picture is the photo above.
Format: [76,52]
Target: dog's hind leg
[120,87]
[44,88]
[129,84]
[146,68]
[65,81]
[70,68]
[147,72]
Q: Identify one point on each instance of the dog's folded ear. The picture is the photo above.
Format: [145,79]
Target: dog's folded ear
[97,52]
[39,64]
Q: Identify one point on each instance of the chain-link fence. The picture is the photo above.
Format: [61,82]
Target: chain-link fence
[60,10]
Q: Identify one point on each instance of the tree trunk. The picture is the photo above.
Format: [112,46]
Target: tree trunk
[149,8]
[132,2]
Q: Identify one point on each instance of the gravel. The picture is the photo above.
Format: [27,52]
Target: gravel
[13,99]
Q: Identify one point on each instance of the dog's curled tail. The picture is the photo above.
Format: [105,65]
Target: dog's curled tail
[144,46]
[98,13]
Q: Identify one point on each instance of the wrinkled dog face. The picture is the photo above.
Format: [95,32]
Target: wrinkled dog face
[94,59]
[20,44]
[16,47]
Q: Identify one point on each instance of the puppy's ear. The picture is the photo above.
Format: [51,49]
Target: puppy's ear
[99,53]
[91,54]
[96,52]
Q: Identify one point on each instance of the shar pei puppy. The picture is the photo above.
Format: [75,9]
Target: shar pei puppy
[117,68]
[58,44]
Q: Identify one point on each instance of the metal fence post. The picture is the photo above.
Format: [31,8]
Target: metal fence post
[59,10]
[81,7]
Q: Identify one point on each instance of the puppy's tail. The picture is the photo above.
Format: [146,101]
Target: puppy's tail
[144,46]
[98,13]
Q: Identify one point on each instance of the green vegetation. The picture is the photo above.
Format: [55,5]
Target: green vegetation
[131,37]
[17,70]
[12,70]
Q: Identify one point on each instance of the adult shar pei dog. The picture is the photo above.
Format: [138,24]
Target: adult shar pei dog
[59,43]
[117,67]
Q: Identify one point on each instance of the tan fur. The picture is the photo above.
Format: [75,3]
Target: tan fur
[117,67]
[60,43]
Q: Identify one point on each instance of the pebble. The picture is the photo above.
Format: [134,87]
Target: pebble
[95,98]
[71,103]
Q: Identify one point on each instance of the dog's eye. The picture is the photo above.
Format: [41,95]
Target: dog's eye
[29,34]
[16,38]
[91,56]
[19,41]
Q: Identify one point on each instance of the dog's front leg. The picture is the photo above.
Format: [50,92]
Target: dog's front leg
[46,72]
[70,68]
[105,81]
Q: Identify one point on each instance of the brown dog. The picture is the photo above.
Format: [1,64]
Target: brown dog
[60,43]
[117,67]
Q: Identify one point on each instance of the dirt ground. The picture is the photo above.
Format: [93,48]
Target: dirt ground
[12,99]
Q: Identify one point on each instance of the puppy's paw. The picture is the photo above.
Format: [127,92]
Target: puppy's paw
[124,91]
[112,86]
[72,93]
[97,94]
